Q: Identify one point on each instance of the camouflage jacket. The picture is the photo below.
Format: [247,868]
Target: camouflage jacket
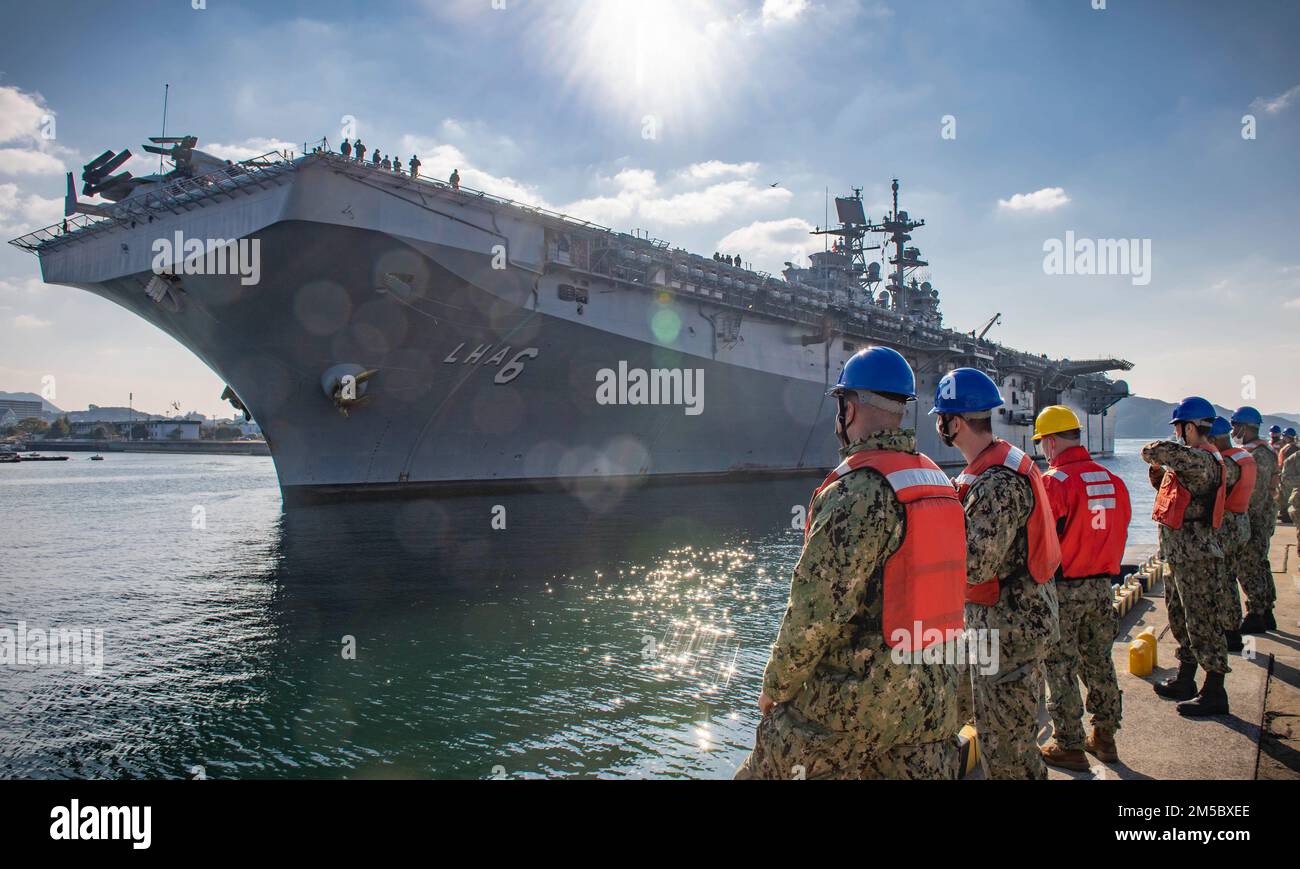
[1291,473]
[1199,473]
[998,505]
[830,661]
[1261,500]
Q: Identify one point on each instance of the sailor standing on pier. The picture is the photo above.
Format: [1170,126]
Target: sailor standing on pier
[1189,511]
[1092,511]
[1291,492]
[1254,571]
[853,688]
[1287,485]
[1239,474]
[1012,554]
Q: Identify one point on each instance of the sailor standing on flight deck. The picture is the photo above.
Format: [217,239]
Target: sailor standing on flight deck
[1092,511]
[1254,572]
[1189,511]
[1012,557]
[853,687]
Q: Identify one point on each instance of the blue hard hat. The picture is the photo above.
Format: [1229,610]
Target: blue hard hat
[1221,428]
[1193,409]
[1289,432]
[966,390]
[1275,429]
[1248,415]
[877,369]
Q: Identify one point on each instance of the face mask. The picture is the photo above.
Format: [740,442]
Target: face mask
[841,423]
[943,431]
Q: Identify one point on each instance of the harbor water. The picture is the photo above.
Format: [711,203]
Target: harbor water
[613,633]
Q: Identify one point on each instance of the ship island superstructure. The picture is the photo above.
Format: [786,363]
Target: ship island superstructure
[404,335]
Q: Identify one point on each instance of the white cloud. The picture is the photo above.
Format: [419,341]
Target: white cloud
[247,149]
[21,115]
[21,213]
[25,161]
[781,11]
[27,321]
[712,203]
[1046,199]
[27,128]
[1278,103]
[21,286]
[1293,304]
[715,168]
[768,244]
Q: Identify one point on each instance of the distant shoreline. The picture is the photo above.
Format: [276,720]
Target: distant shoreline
[215,448]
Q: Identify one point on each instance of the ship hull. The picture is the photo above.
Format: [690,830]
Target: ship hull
[487,379]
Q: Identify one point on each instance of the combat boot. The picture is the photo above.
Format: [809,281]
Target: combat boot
[1180,687]
[1234,641]
[1269,621]
[1101,742]
[1253,623]
[1064,758]
[1213,699]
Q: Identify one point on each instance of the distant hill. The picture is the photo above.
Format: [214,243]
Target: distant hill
[1138,417]
[111,414]
[31,396]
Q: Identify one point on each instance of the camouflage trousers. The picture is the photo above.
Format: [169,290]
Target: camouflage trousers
[1293,505]
[1088,630]
[1254,572]
[1194,593]
[1234,564]
[1004,706]
[788,746]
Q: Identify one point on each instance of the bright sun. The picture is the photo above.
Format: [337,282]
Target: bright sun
[661,58]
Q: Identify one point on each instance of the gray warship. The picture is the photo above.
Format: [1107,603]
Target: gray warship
[409,336]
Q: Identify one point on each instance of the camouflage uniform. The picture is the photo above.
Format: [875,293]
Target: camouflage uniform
[1291,494]
[1236,535]
[1088,630]
[1283,494]
[1194,595]
[1255,573]
[1005,703]
[845,708]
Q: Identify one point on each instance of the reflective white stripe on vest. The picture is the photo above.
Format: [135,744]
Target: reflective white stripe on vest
[1107,489]
[1015,456]
[1057,475]
[966,479]
[909,477]
[1096,476]
[1241,458]
[843,468]
[1102,504]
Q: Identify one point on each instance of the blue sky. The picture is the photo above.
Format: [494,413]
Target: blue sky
[1118,123]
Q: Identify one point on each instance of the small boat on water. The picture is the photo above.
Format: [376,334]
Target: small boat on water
[37,457]
[97,458]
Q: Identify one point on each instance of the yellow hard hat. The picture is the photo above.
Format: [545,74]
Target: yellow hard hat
[1054,420]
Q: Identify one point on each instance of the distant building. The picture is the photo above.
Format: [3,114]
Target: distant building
[152,429]
[8,417]
[173,429]
[21,408]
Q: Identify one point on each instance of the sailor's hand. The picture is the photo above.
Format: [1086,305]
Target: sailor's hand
[765,703]
[1156,475]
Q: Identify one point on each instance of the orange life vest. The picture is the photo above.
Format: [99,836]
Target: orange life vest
[1044,547]
[1082,491]
[1173,497]
[925,578]
[1238,497]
